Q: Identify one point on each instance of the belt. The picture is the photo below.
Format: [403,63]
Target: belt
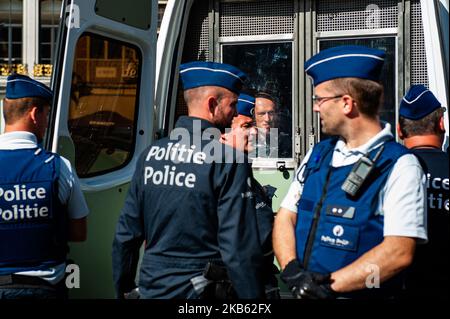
[12,280]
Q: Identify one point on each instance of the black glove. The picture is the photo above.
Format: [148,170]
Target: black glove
[305,284]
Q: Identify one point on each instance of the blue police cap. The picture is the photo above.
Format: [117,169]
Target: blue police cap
[418,102]
[349,61]
[20,86]
[196,74]
[246,105]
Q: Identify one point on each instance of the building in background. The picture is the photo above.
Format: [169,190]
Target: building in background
[28,32]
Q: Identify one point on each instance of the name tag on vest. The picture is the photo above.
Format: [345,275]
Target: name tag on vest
[341,211]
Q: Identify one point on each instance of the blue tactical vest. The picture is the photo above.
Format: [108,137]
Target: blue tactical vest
[33,223]
[337,231]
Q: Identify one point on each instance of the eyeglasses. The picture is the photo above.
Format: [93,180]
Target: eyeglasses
[319,100]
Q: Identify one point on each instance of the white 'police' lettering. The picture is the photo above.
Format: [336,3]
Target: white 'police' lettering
[169,176]
[20,192]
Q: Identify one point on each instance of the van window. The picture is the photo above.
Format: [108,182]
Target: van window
[103,104]
[269,70]
[137,13]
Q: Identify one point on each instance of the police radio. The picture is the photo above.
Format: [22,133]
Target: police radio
[360,171]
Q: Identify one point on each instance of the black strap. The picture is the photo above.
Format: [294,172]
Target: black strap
[324,151]
[13,280]
[312,233]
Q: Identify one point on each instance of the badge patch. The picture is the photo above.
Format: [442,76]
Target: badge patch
[340,236]
[338,230]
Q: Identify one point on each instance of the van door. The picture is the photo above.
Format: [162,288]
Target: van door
[102,117]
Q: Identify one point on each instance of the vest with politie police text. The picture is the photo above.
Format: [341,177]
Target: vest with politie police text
[334,231]
[33,222]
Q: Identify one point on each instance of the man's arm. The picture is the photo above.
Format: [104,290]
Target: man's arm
[284,227]
[403,206]
[77,229]
[387,259]
[128,237]
[284,236]
[71,195]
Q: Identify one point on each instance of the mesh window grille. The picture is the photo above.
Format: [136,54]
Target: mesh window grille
[196,46]
[338,15]
[256,18]
[419,73]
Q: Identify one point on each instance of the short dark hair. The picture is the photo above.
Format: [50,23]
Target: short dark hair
[368,94]
[428,125]
[265,95]
[15,109]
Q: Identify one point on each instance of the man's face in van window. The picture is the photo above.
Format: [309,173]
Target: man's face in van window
[264,113]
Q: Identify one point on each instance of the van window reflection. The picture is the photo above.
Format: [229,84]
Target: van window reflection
[103,104]
[269,70]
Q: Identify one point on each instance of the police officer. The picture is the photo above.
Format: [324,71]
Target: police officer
[421,126]
[338,233]
[190,201]
[243,130]
[41,204]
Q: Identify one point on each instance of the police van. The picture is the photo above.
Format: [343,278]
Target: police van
[117,86]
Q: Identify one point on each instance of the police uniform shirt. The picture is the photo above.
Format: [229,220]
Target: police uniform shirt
[402,198]
[69,194]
